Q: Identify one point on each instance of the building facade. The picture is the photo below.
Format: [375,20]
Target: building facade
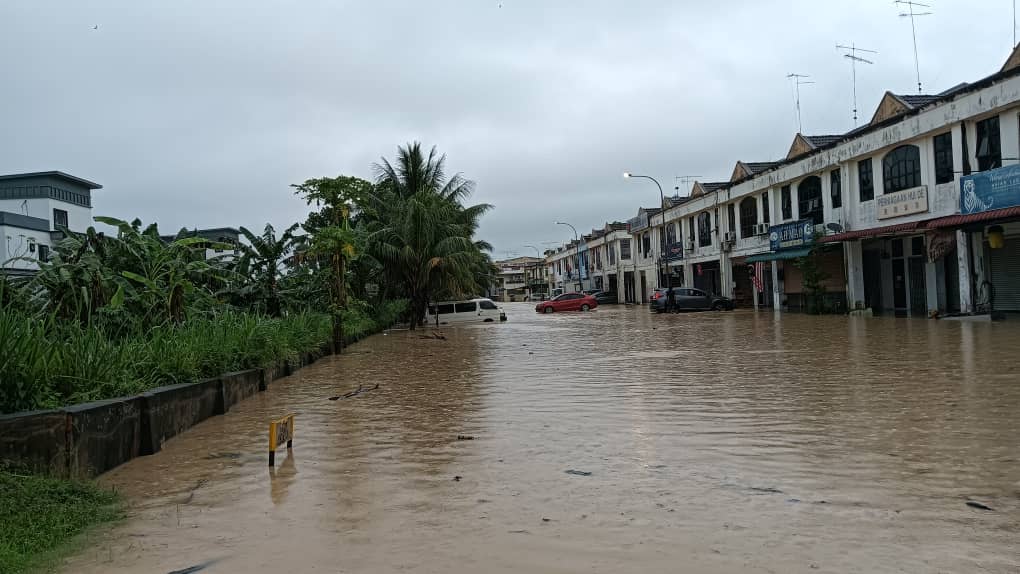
[913,214]
[34,207]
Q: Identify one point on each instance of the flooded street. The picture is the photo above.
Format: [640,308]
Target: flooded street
[715,442]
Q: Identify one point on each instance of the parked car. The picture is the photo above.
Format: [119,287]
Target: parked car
[568,302]
[603,297]
[471,311]
[688,299]
[537,297]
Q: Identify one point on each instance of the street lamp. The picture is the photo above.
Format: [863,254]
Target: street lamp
[662,214]
[580,286]
[527,285]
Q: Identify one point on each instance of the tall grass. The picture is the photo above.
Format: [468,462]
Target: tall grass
[46,364]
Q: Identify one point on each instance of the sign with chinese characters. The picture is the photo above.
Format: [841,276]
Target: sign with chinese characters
[992,189]
[674,251]
[900,203]
[791,235]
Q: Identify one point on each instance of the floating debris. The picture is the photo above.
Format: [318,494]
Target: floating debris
[579,472]
[978,505]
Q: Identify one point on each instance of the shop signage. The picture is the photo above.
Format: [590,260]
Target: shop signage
[582,255]
[992,189]
[791,235]
[940,243]
[900,203]
[638,223]
[675,251]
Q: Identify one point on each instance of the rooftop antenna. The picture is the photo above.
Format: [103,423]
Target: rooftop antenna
[851,55]
[798,80]
[684,180]
[913,31]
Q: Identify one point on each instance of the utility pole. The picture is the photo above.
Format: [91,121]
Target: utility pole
[851,55]
[913,31]
[798,81]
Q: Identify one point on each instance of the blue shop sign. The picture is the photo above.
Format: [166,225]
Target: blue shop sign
[993,189]
[791,235]
[675,251]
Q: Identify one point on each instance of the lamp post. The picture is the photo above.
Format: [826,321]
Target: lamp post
[539,266]
[662,214]
[580,286]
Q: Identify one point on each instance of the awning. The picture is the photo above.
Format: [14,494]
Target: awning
[960,220]
[779,255]
[872,232]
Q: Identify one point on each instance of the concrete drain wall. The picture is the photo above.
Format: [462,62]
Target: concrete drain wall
[84,440]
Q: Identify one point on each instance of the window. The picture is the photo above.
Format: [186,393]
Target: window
[705,229]
[731,217]
[671,233]
[966,150]
[487,305]
[944,158]
[809,199]
[625,249]
[466,307]
[897,247]
[748,216]
[836,188]
[446,309]
[646,244]
[612,253]
[765,207]
[787,202]
[901,168]
[917,245]
[865,180]
[44,253]
[59,218]
[690,229]
[989,144]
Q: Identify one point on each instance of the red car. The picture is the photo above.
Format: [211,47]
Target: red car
[568,302]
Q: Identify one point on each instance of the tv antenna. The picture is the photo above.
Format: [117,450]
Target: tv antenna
[798,81]
[684,180]
[851,54]
[913,30]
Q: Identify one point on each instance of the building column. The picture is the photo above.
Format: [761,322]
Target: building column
[726,274]
[776,288]
[688,280]
[854,260]
[963,271]
[621,289]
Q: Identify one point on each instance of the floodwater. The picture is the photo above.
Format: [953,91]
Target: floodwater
[716,443]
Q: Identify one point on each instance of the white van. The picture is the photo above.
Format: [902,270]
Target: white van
[473,311]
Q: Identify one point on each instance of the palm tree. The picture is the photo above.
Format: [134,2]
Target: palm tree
[423,233]
[262,261]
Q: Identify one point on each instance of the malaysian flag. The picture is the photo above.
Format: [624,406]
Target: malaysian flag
[757,272]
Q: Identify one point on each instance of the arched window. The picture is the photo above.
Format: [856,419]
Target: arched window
[809,199]
[748,216]
[704,229]
[901,168]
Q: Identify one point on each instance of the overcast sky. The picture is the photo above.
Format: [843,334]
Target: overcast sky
[201,113]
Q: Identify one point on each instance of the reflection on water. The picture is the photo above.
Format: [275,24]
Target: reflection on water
[716,442]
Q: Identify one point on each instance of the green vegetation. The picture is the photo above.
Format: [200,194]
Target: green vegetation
[40,515]
[113,314]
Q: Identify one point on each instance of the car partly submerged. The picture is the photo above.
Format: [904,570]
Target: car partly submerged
[568,302]
[479,310]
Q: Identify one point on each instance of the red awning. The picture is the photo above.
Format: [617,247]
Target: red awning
[872,232]
[959,220]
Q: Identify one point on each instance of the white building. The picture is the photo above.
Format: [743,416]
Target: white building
[33,208]
[880,208]
[520,277]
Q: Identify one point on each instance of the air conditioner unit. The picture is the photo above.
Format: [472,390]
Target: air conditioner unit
[729,237]
[761,229]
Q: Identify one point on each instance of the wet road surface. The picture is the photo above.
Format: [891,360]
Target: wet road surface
[715,442]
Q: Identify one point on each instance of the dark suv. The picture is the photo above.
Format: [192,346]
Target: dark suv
[688,299]
[603,297]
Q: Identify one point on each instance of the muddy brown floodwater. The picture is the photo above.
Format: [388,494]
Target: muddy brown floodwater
[716,442]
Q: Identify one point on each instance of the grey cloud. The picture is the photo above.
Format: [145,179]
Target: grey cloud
[202,113]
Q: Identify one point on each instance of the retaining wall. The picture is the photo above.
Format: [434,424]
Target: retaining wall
[86,440]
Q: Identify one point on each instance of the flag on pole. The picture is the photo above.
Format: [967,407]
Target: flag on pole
[757,272]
